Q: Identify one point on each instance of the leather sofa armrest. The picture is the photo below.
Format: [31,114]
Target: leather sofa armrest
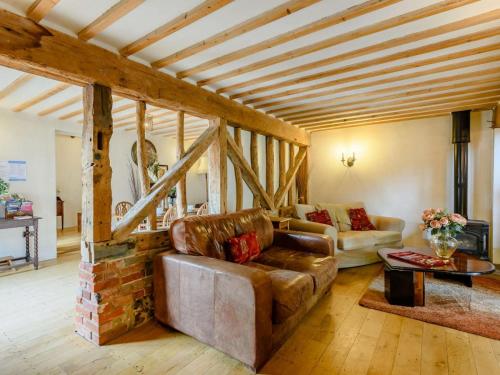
[223,304]
[387,223]
[304,241]
[311,227]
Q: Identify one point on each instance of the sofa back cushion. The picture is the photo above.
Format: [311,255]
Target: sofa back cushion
[340,213]
[208,235]
[302,209]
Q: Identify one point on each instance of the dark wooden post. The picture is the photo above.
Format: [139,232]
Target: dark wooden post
[96,168]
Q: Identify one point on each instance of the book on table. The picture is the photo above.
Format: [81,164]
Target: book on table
[418,259]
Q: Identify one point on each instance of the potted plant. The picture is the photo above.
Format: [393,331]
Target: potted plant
[443,227]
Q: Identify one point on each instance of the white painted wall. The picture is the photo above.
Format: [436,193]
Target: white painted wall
[69,177]
[29,138]
[402,168]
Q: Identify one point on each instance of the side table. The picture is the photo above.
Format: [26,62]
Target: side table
[26,223]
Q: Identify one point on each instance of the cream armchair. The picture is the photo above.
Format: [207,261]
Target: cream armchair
[352,248]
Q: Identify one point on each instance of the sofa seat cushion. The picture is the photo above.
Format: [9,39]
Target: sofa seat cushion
[386,236]
[291,290]
[323,269]
[352,240]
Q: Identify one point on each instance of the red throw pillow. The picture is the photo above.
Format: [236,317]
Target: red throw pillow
[322,217]
[244,248]
[360,220]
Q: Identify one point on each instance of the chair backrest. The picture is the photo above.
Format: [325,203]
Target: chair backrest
[122,208]
[203,209]
[169,216]
[208,234]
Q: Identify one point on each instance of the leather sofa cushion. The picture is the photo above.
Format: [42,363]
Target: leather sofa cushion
[323,269]
[386,236]
[208,234]
[291,290]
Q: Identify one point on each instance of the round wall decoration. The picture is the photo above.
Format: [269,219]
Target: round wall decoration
[152,156]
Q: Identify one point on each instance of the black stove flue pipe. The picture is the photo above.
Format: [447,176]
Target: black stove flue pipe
[461,139]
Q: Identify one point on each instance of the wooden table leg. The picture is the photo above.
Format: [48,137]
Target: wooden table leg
[35,252]
[405,288]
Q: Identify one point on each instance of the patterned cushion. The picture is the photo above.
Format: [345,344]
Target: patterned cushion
[322,217]
[359,219]
[244,248]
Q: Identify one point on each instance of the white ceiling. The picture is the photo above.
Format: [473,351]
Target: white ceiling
[71,16]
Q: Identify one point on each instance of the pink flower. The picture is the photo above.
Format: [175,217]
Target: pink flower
[439,210]
[459,219]
[435,224]
[428,211]
[444,221]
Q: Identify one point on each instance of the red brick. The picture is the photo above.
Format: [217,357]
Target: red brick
[90,307]
[139,294]
[91,326]
[132,277]
[101,285]
[106,317]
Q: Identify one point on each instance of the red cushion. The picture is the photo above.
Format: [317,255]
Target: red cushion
[359,219]
[244,248]
[322,217]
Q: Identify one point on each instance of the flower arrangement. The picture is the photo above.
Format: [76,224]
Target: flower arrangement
[4,187]
[441,222]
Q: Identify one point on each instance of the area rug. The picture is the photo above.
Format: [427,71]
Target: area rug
[448,303]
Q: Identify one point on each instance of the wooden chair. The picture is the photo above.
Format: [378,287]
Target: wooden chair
[169,216]
[203,209]
[121,209]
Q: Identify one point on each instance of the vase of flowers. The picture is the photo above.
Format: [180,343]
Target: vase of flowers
[443,227]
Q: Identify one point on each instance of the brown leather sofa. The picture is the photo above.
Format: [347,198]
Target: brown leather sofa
[245,310]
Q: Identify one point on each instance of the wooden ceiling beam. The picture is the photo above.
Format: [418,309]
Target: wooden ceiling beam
[15,85]
[400,108]
[418,14]
[73,100]
[327,112]
[376,73]
[475,106]
[378,47]
[39,9]
[427,84]
[185,19]
[41,97]
[27,46]
[323,23]
[113,14]
[265,18]
[409,97]
[340,102]
[374,120]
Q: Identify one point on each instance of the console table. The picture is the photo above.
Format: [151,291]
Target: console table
[32,222]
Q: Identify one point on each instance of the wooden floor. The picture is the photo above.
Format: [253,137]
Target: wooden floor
[68,240]
[337,337]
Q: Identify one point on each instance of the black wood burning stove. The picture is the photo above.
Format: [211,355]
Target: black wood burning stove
[475,238]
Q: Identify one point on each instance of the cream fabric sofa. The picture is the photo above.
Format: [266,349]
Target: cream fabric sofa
[352,248]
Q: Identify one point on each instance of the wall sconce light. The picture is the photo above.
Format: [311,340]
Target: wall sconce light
[349,162]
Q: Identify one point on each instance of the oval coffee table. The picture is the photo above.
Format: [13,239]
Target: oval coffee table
[405,282]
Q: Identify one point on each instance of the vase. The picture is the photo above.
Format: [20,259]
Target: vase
[444,245]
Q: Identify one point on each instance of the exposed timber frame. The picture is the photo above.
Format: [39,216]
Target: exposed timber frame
[30,47]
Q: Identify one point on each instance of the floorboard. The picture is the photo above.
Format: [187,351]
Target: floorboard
[337,337]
